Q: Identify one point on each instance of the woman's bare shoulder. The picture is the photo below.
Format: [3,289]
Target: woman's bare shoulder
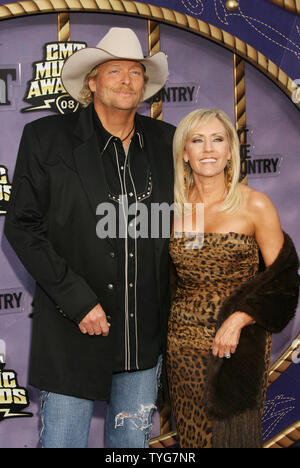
[256,200]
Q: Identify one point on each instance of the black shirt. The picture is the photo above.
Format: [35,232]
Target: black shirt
[128,178]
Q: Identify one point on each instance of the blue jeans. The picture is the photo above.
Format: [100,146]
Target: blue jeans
[66,420]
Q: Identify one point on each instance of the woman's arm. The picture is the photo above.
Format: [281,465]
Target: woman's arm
[268,232]
[269,237]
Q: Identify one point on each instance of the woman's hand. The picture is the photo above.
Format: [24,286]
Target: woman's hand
[228,336]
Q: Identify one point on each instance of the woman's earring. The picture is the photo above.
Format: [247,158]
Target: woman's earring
[229,173]
[185,175]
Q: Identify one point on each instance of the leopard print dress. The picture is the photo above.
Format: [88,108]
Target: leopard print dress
[209,268]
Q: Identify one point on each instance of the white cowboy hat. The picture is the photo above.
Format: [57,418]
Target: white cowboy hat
[118,43]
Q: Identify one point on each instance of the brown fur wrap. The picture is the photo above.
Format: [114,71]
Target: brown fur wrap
[234,386]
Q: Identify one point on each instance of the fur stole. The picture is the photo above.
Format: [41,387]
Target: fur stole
[235,386]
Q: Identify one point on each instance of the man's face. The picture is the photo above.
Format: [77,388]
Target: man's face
[118,85]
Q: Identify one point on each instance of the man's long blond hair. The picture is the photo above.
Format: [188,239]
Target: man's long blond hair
[86,95]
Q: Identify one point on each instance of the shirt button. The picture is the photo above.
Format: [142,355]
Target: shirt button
[131,315]
[131,255]
[112,254]
[110,286]
[131,194]
[131,285]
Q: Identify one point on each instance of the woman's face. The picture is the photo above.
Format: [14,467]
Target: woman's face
[208,149]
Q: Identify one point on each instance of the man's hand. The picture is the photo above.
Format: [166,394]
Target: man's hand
[95,323]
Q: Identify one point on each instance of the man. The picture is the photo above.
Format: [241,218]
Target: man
[101,302]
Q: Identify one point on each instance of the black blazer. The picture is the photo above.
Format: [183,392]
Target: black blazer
[51,224]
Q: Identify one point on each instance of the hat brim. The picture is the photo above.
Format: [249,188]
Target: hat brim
[83,61]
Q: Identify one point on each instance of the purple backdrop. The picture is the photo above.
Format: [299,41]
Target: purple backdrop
[270,29]
[195,63]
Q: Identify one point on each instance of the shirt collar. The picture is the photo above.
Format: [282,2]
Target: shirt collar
[106,137]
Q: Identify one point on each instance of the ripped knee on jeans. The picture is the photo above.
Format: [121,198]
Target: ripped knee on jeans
[139,421]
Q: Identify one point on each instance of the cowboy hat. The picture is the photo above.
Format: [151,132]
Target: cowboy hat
[118,43]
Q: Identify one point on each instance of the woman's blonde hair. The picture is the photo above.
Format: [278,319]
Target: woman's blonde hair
[183,174]
[86,95]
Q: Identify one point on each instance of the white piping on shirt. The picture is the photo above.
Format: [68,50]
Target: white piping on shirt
[126,324]
[125,215]
[136,274]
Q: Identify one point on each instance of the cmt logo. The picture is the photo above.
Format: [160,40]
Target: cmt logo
[13,398]
[5,189]
[6,74]
[45,90]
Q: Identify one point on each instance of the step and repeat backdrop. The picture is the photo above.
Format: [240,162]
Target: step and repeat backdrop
[206,44]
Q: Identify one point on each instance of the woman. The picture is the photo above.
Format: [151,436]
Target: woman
[224,309]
